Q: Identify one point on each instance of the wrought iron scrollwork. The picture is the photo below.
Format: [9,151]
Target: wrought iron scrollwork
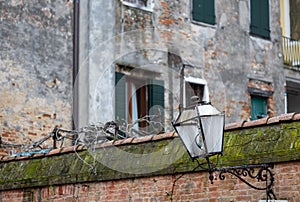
[261,172]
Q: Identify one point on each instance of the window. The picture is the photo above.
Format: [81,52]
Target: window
[146,4]
[294,19]
[260,18]
[195,87]
[292,96]
[258,107]
[136,98]
[203,11]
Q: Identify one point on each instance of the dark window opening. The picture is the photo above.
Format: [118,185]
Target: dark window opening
[137,98]
[293,96]
[294,19]
[193,89]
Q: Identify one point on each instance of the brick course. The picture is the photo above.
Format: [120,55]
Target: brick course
[190,187]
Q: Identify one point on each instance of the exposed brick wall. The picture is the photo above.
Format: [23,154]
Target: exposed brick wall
[265,87]
[35,68]
[190,187]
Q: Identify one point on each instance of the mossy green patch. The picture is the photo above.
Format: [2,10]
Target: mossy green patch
[271,143]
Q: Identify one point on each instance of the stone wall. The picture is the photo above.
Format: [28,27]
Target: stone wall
[35,68]
[158,168]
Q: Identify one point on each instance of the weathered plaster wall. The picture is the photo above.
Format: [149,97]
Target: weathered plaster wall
[35,68]
[226,55]
[97,31]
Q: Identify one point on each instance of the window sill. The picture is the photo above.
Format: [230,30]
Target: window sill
[260,37]
[203,24]
[145,8]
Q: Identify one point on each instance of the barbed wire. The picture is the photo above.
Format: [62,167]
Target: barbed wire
[90,136]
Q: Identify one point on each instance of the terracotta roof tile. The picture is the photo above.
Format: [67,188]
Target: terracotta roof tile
[142,139]
[38,155]
[257,122]
[105,144]
[80,148]
[128,140]
[164,136]
[7,158]
[296,117]
[68,149]
[234,125]
[54,151]
[273,120]
[3,154]
[22,157]
[287,117]
[118,142]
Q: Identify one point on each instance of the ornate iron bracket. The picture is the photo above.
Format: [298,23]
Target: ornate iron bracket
[260,172]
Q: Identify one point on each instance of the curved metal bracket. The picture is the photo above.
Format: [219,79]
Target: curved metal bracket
[262,173]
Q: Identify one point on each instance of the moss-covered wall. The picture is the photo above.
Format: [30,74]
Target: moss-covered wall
[155,156]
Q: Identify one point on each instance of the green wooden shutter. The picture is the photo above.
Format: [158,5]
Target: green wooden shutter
[258,107]
[198,10]
[120,96]
[255,16]
[260,18]
[204,11]
[156,102]
[209,6]
[265,24]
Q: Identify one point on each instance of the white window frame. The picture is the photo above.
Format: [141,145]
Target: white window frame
[149,7]
[199,81]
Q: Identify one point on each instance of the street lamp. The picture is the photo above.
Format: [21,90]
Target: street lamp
[201,129]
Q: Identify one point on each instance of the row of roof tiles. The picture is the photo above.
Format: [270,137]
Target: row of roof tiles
[135,140]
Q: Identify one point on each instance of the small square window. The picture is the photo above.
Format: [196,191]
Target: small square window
[195,87]
[258,107]
[292,96]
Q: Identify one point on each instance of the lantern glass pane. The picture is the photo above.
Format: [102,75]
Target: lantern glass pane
[192,139]
[187,116]
[213,127]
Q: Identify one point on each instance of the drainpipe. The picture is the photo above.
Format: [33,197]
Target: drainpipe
[181,87]
[75,60]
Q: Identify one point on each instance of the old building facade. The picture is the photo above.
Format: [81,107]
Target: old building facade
[142,58]
[132,55]
[231,52]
